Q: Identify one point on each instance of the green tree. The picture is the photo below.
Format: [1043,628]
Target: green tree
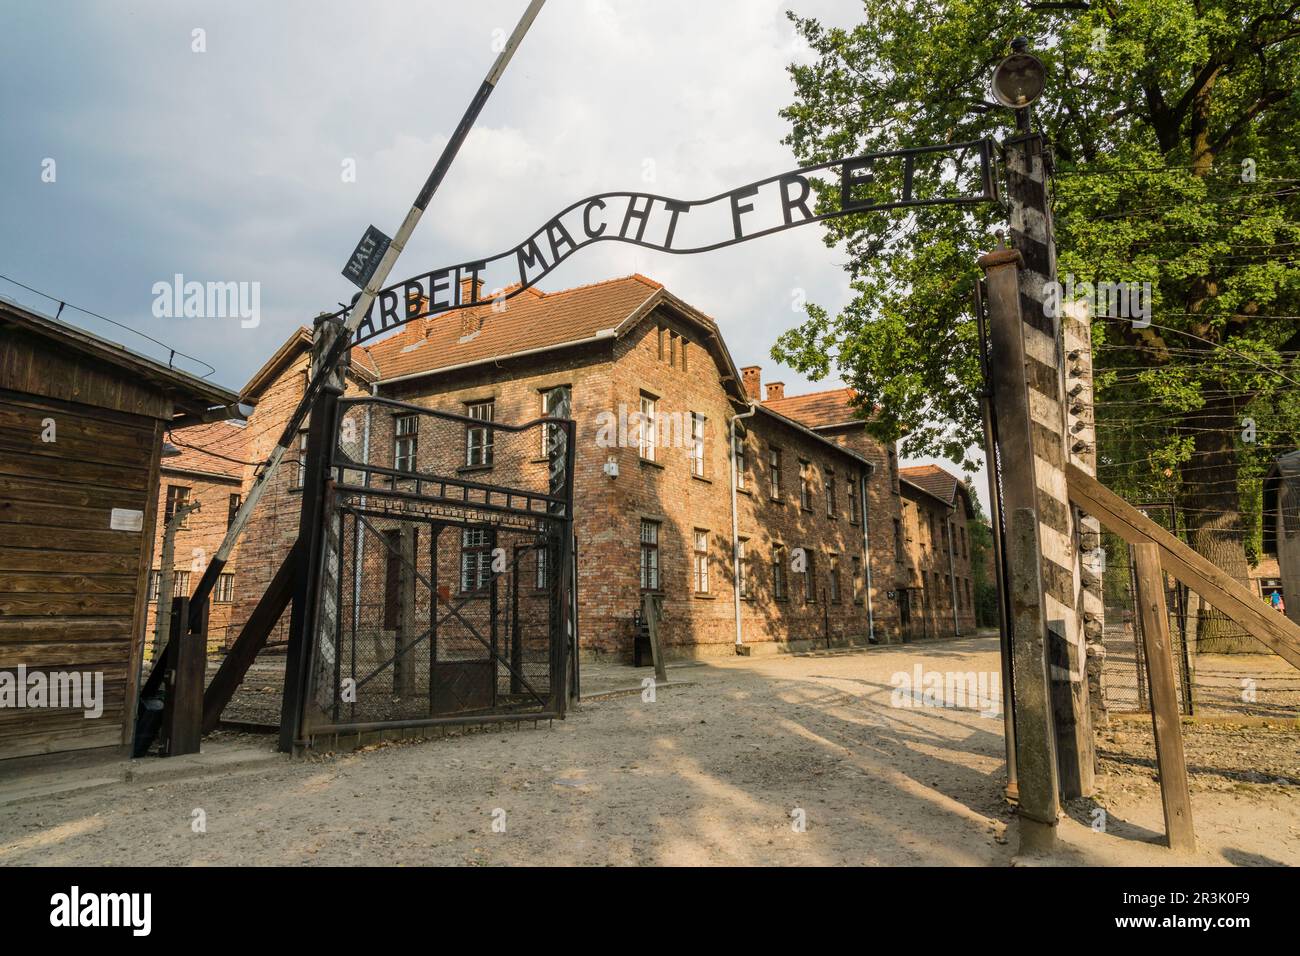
[1175,125]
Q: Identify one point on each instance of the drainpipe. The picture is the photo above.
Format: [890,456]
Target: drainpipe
[866,549]
[952,579]
[735,520]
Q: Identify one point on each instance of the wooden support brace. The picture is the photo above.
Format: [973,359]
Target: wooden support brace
[1170,760]
[251,640]
[1221,590]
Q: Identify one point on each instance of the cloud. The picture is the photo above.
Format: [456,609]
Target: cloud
[226,165]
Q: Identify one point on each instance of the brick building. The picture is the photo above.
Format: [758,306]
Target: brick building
[654,393]
[937,596]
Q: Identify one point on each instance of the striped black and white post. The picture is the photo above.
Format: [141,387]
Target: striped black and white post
[1028,177]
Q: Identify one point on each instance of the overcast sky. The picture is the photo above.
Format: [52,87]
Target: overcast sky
[227,165]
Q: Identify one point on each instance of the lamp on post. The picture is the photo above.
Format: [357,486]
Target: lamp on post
[1018,81]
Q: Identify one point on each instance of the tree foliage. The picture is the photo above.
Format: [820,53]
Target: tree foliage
[1175,126]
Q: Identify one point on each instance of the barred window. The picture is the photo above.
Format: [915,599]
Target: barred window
[805,487]
[225,592]
[853,502]
[406,431]
[475,560]
[555,404]
[180,584]
[830,494]
[835,579]
[809,578]
[778,572]
[774,471]
[178,496]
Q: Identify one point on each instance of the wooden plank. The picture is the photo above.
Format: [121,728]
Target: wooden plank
[61,493]
[80,449]
[30,422]
[89,562]
[23,465]
[52,538]
[61,516]
[86,629]
[74,583]
[1217,588]
[48,405]
[1170,760]
[64,605]
[62,654]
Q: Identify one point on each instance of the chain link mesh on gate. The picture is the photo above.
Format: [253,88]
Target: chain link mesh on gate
[440,594]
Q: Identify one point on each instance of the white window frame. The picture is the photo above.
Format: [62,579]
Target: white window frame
[645,431]
[479,438]
[697,445]
[406,442]
[700,561]
[650,570]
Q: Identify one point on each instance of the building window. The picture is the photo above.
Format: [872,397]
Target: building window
[177,497]
[962,534]
[645,430]
[898,541]
[232,509]
[541,572]
[555,404]
[809,578]
[835,579]
[778,572]
[697,444]
[740,462]
[701,565]
[180,584]
[478,438]
[475,560]
[649,555]
[155,579]
[774,469]
[300,478]
[805,487]
[830,494]
[857,580]
[742,545]
[225,591]
[853,502]
[406,441]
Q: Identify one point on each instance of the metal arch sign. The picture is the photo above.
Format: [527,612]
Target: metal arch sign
[925,176]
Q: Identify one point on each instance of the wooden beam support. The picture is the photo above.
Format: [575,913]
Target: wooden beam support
[251,640]
[1170,760]
[1272,629]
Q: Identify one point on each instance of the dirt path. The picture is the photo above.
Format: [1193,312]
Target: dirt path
[706,774]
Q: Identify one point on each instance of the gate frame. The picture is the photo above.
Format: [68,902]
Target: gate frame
[318,509]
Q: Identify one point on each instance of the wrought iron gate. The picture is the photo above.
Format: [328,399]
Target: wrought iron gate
[444,571]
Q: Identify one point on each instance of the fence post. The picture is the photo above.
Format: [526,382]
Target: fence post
[1035,735]
[183,710]
[1170,760]
[1028,163]
[1090,558]
[321,433]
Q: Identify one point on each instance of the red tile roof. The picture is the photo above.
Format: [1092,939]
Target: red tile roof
[215,448]
[818,409]
[532,320]
[934,480]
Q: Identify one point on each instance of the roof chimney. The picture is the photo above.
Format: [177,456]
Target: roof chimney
[752,378]
[471,290]
[775,391]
